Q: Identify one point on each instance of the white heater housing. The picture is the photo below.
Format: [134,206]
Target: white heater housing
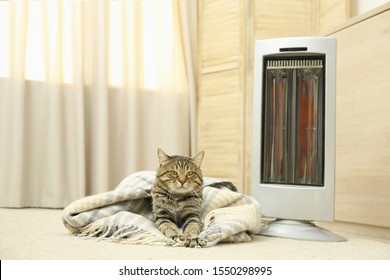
[293,158]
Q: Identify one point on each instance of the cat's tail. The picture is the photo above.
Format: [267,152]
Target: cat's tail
[223,184]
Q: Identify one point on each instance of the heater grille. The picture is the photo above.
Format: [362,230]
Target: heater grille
[293,123]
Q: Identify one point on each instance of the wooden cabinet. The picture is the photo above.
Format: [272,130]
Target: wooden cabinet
[363,121]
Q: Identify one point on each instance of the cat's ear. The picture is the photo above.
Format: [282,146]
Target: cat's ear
[162,157]
[198,158]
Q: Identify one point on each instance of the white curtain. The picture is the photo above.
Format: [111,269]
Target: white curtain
[88,91]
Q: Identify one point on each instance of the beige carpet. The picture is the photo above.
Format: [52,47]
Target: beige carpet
[39,234]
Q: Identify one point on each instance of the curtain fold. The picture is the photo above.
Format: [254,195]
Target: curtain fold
[89,91]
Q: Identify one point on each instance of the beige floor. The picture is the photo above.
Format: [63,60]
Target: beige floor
[39,234]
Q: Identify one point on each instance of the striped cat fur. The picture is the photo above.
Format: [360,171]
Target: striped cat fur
[177,197]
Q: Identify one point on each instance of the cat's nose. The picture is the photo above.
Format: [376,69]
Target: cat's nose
[182,180]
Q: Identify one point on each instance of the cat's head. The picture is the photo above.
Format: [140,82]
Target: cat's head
[179,174]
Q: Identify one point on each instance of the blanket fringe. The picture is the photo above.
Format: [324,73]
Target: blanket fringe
[126,235]
[146,238]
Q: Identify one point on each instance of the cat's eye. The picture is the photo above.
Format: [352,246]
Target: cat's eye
[190,173]
[174,173]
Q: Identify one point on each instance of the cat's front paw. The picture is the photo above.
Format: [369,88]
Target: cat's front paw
[175,236]
[172,232]
[194,242]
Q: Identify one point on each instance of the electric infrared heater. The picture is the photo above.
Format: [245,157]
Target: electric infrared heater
[294,135]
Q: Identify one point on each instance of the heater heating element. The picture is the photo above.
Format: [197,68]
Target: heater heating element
[293,123]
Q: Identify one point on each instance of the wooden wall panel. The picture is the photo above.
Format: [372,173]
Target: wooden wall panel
[281,18]
[220,89]
[220,36]
[362,125]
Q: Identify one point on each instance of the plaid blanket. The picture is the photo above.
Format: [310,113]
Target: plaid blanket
[125,214]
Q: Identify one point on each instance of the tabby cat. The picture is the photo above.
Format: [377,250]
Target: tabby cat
[177,198]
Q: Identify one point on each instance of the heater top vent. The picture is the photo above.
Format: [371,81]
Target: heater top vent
[294,64]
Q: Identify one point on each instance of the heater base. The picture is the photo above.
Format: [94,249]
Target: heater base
[302,230]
